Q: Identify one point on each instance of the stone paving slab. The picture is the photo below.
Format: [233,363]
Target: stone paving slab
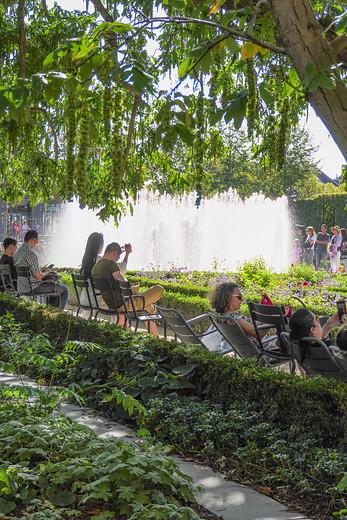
[229,500]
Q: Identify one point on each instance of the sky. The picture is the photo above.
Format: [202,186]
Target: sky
[328,155]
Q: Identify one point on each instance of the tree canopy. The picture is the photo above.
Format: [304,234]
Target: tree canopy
[83,109]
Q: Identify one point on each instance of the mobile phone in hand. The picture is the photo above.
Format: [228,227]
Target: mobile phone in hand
[341,310]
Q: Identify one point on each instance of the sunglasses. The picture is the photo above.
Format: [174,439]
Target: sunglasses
[238,296]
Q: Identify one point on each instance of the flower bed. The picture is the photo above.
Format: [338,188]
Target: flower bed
[187,291]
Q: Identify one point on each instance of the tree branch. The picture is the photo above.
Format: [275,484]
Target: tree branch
[231,32]
[45,9]
[22,40]
[101,9]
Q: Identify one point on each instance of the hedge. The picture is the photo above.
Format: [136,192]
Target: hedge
[316,404]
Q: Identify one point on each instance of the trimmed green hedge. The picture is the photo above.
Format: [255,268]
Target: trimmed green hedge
[316,404]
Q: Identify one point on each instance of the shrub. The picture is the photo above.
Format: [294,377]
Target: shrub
[315,404]
[256,273]
[233,440]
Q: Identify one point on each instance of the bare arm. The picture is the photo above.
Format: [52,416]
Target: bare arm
[332,322]
[249,329]
[117,275]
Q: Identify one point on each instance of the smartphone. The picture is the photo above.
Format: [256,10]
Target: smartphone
[341,310]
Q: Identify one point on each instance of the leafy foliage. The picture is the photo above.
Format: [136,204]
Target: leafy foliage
[51,468]
[83,113]
[232,440]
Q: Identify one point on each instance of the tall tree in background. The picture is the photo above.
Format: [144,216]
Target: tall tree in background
[82,113]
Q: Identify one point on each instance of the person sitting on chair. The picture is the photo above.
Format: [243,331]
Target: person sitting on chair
[10,246]
[25,256]
[340,351]
[226,300]
[107,267]
[304,324]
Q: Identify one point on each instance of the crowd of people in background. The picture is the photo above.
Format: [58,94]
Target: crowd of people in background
[19,228]
[327,250]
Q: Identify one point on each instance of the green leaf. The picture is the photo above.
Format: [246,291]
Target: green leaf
[184,67]
[6,506]
[105,515]
[60,498]
[184,133]
[184,370]
[342,485]
[265,94]
[5,487]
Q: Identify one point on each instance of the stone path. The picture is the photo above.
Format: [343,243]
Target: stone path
[229,500]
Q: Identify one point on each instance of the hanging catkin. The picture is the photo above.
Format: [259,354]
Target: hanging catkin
[252,99]
[199,148]
[70,117]
[118,143]
[82,158]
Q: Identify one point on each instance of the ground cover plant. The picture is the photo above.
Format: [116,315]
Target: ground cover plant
[54,469]
[299,419]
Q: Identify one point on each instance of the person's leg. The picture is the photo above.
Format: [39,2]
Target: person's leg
[318,259]
[333,263]
[151,296]
[324,257]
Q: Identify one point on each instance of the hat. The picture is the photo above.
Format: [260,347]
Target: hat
[337,228]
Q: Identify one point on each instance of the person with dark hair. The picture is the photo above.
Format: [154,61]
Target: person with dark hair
[309,245]
[95,243]
[10,246]
[226,300]
[321,248]
[304,324]
[25,256]
[107,267]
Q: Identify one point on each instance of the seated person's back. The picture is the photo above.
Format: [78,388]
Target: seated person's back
[107,268]
[10,246]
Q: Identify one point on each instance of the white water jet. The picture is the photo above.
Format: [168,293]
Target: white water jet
[168,232]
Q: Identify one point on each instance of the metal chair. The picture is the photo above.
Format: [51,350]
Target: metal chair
[244,347]
[7,282]
[234,335]
[271,316]
[182,328]
[133,314]
[81,283]
[105,285]
[25,272]
[315,358]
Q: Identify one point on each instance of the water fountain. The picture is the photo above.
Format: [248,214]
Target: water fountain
[167,232]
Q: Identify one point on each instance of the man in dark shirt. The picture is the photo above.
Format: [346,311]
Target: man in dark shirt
[107,267]
[10,246]
[321,248]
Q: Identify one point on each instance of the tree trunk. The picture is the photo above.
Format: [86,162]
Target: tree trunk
[22,40]
[302,38]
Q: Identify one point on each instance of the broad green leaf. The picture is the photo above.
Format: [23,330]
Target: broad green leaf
[6,506]
[265,94]
[184,370]
[60,498]
[184,133]
[342,485]
[184,67]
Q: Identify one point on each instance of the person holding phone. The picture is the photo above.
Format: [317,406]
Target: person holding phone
[25,256]
[304,324]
